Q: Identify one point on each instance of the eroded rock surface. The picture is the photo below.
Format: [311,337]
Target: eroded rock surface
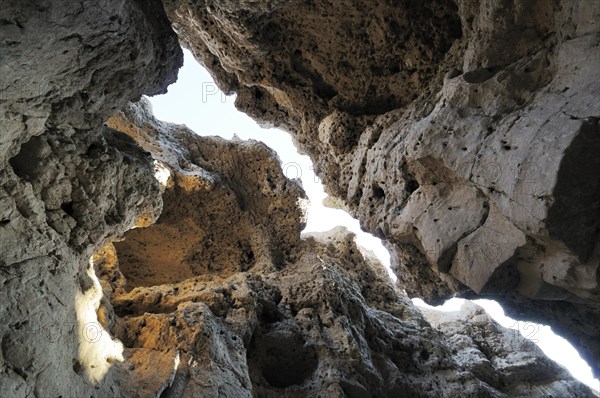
[465,134]
[140,260]
[68,184]
[228,207]
[309,316]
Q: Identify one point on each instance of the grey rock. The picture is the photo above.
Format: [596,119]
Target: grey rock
[463,134]
[140,260]
[323,319]
[68,184]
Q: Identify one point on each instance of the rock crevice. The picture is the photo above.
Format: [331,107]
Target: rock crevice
[462,155]
[141,260]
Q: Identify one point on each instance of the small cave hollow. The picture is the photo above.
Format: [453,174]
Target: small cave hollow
[281,358]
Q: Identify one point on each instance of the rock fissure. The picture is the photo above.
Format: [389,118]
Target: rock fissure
[139,259]
[522,93]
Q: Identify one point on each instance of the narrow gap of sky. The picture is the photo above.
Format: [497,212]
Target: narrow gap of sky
[196,101]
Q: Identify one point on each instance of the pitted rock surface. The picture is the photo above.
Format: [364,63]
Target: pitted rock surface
[465,134]
[68,184]
[322,319]
[140,260]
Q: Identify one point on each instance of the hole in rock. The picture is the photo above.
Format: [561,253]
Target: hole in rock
[67,207]
[412,186]
[185,104]
[378,192]
[281,357]
[22,163]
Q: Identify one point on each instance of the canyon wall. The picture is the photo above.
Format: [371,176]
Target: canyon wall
[141,260]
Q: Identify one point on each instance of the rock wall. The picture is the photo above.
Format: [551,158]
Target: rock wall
[252,308]
[140,260]
[68,184]
[463,133]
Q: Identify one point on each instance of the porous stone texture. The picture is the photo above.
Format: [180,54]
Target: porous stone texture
[140,260]
[303,316]
[227,206]
[68,184]
[463,133]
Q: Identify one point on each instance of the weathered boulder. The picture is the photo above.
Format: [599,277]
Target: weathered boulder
[463,133]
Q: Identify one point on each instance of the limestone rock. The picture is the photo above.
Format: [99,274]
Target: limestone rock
[323,319]
[496,355]
[463,133]
[228,206]
[329,323]
[140,260]
[68,184]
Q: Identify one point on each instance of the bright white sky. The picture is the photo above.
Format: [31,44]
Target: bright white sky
[194,100]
